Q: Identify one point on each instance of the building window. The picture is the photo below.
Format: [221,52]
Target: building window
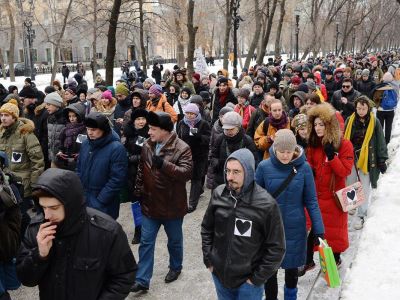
[99,55]
[34,55]
[21,55]
[86,53]
[48,55]
[8,56]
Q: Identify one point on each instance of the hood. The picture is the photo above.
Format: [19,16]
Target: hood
[246,159]
[298,159]
[77,108]
[58,182]
[108,138]
[317,77]
[299,94]
[24,126]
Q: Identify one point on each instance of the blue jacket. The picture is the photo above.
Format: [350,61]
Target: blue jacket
[103,168]
[300,193]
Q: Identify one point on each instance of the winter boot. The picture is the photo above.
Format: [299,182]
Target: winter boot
[290,294]
[138,234]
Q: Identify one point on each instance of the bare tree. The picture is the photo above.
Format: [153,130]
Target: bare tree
[111,41]
[269,16]
[228,26]
[12,41]
[256,35]
[279,30]
[192,30]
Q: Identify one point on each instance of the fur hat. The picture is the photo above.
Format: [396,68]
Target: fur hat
[137,113]
[327,114]
[160,119]
[97,120]
[11,109]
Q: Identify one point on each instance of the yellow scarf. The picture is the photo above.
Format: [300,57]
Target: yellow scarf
[362,163]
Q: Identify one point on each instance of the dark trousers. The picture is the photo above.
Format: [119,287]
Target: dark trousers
[197,182]
[271,286]
[24,206]
[386,120]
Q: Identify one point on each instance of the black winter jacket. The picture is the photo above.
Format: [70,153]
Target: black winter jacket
[90,257]
[345,109]
[236,258]
[10,231]
[366,87]
[216,105]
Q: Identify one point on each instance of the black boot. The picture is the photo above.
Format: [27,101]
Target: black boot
[138,234]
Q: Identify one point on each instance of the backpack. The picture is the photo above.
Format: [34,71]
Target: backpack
[389,100]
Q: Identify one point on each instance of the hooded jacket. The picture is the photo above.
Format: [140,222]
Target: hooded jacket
[299,194]
[76,267]
[242,234]
[23,151]
[55,124]
[345,109]
[10,233]
[103,167]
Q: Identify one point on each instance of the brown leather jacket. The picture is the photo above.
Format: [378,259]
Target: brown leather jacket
[163,191]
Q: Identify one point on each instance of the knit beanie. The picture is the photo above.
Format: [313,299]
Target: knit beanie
[365,72]
[284,140]
[387,77]
[122,89]
[299,121]
[196,76]
[54,99]
[192,108]
[244,93]
[156,89]
[224,110]
[11,109]
[149,80]
[295,80]
[107,95]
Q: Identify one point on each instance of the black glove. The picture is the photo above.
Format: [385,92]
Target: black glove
[329,151]
[157,161]
[317,237]
[382,167]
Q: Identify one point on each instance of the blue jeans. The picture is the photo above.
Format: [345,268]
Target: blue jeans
[150,227]
[8,277]
[246,291]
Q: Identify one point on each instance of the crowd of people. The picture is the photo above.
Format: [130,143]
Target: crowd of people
[273,147]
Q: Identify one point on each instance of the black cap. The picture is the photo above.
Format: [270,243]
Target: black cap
[205,95]
[137,113]
[49,89]
[27,92]
[222,80]
[98,120]
[160,119]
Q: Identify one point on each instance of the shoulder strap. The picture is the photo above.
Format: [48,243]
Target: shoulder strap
[285,184]
[163,106]
[180,108]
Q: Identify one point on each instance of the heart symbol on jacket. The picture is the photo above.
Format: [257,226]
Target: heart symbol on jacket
[242,226]
[16,156]
[351,194]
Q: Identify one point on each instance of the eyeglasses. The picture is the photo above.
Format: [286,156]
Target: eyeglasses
[233,172]
[346,86]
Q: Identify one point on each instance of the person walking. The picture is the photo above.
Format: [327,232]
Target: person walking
[289,179]
[166,166]
[242,234]
[72,251]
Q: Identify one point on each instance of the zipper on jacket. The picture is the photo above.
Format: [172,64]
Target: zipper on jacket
[228,254]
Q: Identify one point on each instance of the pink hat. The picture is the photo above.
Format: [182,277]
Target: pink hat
[107,95]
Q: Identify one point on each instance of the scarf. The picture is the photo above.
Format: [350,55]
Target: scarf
[280,123]
[362,162]
[223,97]
[242,108]
[192,123]
[71,133]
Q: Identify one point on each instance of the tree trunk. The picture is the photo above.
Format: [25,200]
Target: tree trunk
[12,42]
[141,36]
[192,30]
[279,30]
[228,26]
[4,73]
[256,36]
[264,43]
[111,41]
[94,39]
[212,41]
[180,46]
[57,47]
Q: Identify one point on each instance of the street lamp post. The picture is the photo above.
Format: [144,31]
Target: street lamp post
[30,36]
[354,41]
[297,15]
[148,52]
[337,39]
[236,21]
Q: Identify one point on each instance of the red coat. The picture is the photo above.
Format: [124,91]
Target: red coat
[335,220]
[245,112]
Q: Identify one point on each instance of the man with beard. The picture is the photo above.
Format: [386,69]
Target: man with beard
[243,240]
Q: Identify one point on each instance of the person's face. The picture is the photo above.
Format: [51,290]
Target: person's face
[136,101]
[156,134]
[319,127]
[68,96]
[205,81]
[272,91]
[53,209]
[305,74]
[120,97]
[329,76]
[6,119]
[82,97]
[284,157]
[179,77]
[94,133]
[303,132]
[362,110]
[140,122]
[190,116]
[152,96]
[286,78]
[222,87]
[346,86]
[375,64]
[55,86]
[146,85]
[309,104]
[365,77]
[15,92]
[194,80]
[51,109]
[73,118]
[258,89]
[234,175]
[276,110]
[231,132]
[289,70]
[162,83]
[241,100]
[346,74]
[339,74]
[105,101]
[28,101]
[26,83]
[172,90]
[310,80]
[296,102]
[184,95]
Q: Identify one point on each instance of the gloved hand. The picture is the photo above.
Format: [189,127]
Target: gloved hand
[157,161]
[317,237]
[134,159]
[329,151]
[382,167]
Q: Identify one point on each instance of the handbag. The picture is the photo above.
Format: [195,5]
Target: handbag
[328,264]
[285,184]
[349,197]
